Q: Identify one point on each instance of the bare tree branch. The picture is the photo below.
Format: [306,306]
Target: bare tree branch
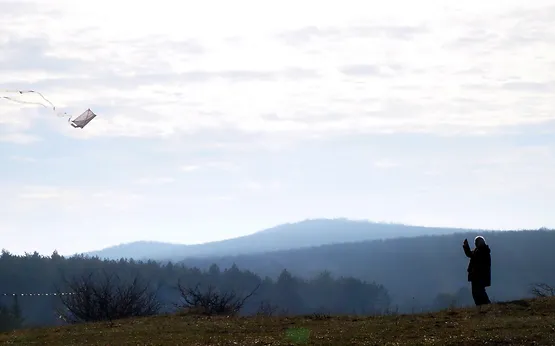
[106,299]
[265,308]
[211,301]
[542,290]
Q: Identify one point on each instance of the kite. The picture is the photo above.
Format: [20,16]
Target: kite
[80,122]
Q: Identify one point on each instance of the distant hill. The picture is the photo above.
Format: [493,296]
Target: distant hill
[302,234]
[415,268]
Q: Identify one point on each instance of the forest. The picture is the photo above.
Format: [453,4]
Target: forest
[33,273]
[403,275]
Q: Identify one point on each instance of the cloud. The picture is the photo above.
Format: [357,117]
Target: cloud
[19,138]
[11,8]
[364,70]
[516,28]
[154,181]
[313,34]
[189,168]
[258,186]
[217,165]
[535,87]
[222,165]
[386,164]
[165,82]
[23,159]
[303,78]
[324,109]
[75,200]
[118,200]
[30,198]
[32,55]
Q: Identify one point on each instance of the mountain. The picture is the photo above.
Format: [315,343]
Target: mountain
[302,234]
[413,269]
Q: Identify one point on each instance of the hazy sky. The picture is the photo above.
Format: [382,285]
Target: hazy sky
[221,118]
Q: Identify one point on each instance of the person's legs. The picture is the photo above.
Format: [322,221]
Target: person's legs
[479,294]
[475,294]
[486,297]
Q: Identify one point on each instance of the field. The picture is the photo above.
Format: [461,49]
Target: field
[525,322]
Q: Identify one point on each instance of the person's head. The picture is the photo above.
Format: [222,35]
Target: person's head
[479,241]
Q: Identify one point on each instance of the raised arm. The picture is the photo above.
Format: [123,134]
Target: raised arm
[466,249]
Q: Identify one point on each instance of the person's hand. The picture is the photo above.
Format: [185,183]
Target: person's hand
[465,243]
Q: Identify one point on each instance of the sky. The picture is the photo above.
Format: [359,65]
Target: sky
[217,119]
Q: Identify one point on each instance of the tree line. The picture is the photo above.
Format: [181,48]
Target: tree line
[108,289]
[421,274]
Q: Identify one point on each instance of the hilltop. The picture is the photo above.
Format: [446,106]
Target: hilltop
[523,322]
[307,233]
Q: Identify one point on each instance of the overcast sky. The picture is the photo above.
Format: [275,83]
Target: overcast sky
[221,118]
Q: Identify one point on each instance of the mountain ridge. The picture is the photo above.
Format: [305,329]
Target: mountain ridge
[306,233]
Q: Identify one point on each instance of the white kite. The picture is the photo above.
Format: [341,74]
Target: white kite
[82,120]
[18,96]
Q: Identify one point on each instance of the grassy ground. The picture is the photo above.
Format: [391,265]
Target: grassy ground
[517,323]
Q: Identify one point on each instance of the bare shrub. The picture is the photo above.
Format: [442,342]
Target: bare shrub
[106,298]
[265,308]
[541,290]
[211,301]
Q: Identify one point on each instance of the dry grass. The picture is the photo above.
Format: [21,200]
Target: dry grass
[530,322]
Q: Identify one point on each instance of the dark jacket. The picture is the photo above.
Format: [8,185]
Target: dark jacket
[479,267]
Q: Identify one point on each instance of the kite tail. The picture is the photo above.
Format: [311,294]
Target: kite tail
[44,98]
[81,121]
[24,102]
[21,92]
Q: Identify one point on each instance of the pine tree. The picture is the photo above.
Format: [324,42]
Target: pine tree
[11,317]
